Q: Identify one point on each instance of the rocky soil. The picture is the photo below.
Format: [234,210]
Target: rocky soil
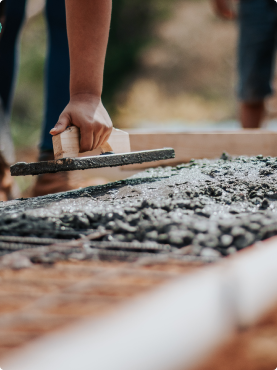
[206,208]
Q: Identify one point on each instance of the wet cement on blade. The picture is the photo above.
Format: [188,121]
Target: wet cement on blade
[100,161]
[206,208]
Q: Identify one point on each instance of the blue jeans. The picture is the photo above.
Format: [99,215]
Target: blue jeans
[57,62]
[257,45]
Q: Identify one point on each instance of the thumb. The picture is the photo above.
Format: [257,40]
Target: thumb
[61,125]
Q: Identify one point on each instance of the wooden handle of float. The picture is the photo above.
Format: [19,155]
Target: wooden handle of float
[67,144]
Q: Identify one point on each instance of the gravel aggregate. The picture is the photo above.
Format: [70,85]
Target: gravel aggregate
[208,208]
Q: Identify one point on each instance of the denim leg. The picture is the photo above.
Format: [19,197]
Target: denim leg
[14,15]
[257,44]
[57,69]
[15,12]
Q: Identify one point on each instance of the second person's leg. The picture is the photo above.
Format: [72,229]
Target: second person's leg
[57,69]
[252,114]
[257,42]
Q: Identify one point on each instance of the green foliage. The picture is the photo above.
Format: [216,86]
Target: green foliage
[131,30]
[28,103]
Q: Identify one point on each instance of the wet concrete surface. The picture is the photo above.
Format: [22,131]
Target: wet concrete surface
[206,208]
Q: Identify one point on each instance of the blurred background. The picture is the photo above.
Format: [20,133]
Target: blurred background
[169,64]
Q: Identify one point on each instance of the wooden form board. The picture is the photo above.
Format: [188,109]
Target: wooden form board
[199,145]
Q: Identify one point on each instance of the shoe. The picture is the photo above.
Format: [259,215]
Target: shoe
[51,183]
[6,181]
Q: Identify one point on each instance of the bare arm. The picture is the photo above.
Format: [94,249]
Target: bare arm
[88,24]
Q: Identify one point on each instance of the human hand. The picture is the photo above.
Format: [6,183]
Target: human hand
[88,113]
[224,9]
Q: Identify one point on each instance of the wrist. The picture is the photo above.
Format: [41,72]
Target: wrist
[85,97]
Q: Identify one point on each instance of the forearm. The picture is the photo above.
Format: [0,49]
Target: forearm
[88,23]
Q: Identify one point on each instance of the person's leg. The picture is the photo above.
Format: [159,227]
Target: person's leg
[257,42]
[57,69]
[252,114]
[14,15]
[56,96]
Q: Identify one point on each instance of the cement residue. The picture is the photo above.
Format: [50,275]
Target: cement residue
[73,164]
[206,208]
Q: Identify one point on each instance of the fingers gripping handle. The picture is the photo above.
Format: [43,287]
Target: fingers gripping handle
[67,144]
